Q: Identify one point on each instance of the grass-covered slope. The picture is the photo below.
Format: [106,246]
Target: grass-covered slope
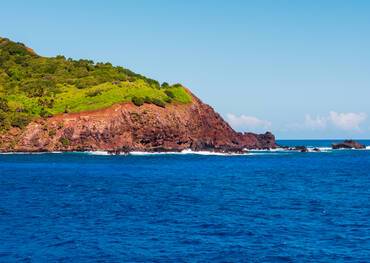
[32,86]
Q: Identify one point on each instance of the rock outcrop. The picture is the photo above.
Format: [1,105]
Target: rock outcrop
[348,144]
[302,149]
[126,127]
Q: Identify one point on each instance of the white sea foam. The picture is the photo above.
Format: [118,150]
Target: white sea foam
[185,152]
[321,149]
[268,150]
[97,153]
[210,153]
[284,150]
[21,153]
[136,153]
[190,152]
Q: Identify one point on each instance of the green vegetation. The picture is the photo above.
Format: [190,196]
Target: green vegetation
[64,141]
[138,101]
[32,86]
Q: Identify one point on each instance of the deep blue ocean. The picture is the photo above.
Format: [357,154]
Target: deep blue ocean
[260,207]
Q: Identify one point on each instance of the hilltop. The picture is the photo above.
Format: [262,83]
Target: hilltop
[33,86]
[55,103]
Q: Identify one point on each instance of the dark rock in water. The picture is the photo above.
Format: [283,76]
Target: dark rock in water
[316,150]
[302,149]
[348,144]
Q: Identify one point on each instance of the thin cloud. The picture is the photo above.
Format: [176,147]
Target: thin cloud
[347,121]
[244,122]
[343,121]
[315,123]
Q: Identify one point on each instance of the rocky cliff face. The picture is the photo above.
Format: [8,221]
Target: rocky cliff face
[127,127]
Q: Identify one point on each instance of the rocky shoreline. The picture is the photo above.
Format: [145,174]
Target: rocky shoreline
[126,127]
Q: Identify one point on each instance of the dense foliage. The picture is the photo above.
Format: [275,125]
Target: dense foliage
[33,86]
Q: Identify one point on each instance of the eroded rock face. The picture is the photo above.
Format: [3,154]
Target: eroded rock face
[348,144]
[127,127]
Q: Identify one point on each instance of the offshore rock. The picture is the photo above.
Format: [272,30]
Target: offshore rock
[348,144]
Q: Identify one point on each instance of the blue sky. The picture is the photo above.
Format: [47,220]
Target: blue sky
[297,68]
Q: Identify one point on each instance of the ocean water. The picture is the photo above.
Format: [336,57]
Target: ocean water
[261,207]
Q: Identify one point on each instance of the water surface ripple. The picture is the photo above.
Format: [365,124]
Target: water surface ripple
[298,207]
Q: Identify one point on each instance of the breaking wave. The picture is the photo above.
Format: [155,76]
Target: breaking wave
[184,152]
[249,152]
[309,148]
[22,153]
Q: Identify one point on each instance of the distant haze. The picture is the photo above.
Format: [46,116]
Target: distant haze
[297,68]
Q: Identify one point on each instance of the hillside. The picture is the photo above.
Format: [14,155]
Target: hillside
[59,104]
[33,86]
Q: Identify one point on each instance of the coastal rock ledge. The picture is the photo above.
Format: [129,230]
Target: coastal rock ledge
[126,127]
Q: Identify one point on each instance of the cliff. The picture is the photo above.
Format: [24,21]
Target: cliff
[60,104]
[127,127]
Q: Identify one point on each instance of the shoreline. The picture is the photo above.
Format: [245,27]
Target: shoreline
[186,152]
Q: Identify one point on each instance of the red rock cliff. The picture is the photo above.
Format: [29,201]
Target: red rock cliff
[126,127]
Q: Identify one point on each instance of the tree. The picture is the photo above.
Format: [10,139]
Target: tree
[165,85]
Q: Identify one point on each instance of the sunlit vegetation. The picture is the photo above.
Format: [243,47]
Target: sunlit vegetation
[32,86]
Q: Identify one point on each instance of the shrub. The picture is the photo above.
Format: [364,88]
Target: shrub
[94,93]
[52,133]
[137,101]
[168,100]
[4,105]
[177,85]
[64,141]
[46,102]
[169,93]
[60,57]
[44,113]
[20,120]
[165,85]
[159,102]
[147,100]
[4,121]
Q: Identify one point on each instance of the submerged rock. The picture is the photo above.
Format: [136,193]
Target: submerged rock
[348,144]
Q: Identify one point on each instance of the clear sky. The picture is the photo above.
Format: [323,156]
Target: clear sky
[298,68]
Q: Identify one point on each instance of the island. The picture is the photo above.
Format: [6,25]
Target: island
[58,104]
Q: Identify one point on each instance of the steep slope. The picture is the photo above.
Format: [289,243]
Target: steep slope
[115,110]
[126,127]
[33,86]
